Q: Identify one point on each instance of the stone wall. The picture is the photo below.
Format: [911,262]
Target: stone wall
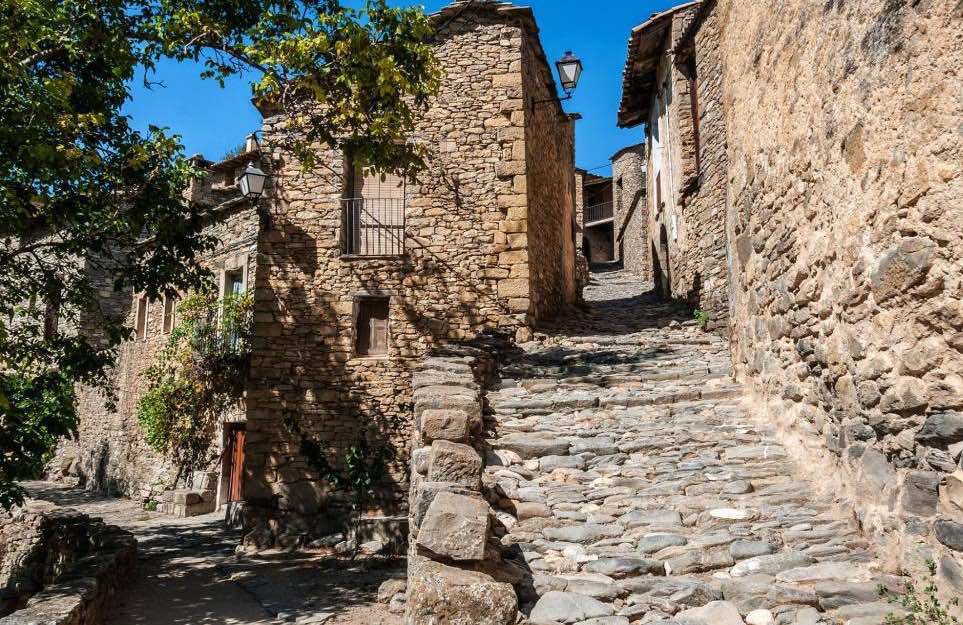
[846,219]
[579,208]
[550,158]
[673,236]
[631,210]
[478,224]
[109,453]
[703,198]
[60,567]
[455,569]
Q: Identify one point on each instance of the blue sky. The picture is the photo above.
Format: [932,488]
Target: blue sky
[212,120]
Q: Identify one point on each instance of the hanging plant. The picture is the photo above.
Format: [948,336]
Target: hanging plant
[196,377]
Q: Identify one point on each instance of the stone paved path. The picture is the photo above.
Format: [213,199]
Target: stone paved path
[188,573]
[635,487]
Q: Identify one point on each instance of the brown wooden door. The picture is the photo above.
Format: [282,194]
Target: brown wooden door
[236,436]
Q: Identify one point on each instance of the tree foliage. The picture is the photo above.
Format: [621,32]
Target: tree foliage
[82,190]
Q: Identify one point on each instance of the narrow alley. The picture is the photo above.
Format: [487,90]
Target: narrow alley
[636,487]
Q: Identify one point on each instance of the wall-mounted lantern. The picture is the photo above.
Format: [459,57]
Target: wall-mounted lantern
[569,72]
[252,181]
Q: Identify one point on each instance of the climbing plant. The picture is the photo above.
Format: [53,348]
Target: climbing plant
[196,377]
[363,464]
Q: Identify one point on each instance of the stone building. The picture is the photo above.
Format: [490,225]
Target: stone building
[359,276]
[110,453]
[596,219]
[824,149]
[611,212]
[672,87]
[631,223]
[356,275]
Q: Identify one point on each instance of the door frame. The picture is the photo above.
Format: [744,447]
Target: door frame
[228,439]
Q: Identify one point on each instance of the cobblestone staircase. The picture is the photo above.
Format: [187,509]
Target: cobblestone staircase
[634,487]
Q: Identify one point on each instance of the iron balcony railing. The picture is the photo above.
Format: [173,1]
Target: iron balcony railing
[374,226]
[598,212]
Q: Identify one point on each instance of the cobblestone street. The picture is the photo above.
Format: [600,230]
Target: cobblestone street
[635,487]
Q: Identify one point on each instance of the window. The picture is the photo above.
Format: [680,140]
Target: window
[170,309]
[371,326]
[140,323]
[51,315]
[233,282]
[618,195]
[373,215]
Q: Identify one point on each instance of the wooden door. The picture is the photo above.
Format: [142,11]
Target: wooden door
[235,461]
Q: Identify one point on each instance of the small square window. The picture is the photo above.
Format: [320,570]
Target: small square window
[140,323]
[371,326]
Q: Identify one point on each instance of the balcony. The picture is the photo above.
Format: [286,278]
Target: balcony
[373,226]
[598,213]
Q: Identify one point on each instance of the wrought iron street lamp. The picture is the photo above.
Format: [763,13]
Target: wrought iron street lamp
[252,182]
[569,72]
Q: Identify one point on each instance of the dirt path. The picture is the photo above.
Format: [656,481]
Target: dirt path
[188,574]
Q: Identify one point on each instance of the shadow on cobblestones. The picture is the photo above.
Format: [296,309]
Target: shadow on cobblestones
[188,573]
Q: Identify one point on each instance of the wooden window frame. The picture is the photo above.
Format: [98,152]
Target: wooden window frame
[141,318]
[360,303]
[169,313]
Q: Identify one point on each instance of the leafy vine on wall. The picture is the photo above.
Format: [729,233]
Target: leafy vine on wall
[196,377]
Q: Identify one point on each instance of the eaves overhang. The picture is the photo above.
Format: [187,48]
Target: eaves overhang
[646,45]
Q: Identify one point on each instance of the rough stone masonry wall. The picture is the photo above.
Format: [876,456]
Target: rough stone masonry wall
[846,214]
[704,199]
[550,158]
[59,567]
[631,211]
[109,453]
[465,269]
[579,209]
[684,261]
[455,570]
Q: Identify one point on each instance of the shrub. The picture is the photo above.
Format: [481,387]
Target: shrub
[34,412]
[922,607]
[701,317]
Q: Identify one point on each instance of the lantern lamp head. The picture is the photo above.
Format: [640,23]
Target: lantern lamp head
[252,182]
[569,71]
